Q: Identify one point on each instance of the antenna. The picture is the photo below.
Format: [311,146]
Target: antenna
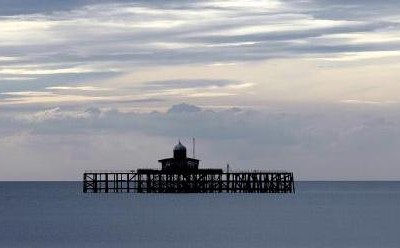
[194,147]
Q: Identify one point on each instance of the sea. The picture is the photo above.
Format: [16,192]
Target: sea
[320,214]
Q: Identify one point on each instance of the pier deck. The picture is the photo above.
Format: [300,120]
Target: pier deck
[201,181]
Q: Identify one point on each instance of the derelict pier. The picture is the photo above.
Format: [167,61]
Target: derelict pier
[181,174]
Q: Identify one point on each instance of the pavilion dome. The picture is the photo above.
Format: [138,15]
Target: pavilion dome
[179,151]
[179,147]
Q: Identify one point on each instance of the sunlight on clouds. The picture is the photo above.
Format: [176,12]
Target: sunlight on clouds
[377,38]
[195,88]
[125,16]
[43,97]
[181,16]
[234,44]
[361,56]
[366,37]
[193,93]
[241,86]
[15,31]
[211,94]
[39,71]
[254,5]
[277,26]
[224,64]
[369,102]
[17,25]
[8,59]
[82,88]
[49,97]
[29,93]
[2,78]
[125,24]
[174,45]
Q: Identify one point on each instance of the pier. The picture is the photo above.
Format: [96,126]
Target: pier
[201,182]
[182,175]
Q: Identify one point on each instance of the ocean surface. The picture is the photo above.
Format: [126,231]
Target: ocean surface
[320,214]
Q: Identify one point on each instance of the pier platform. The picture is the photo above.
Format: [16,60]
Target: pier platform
[200,181]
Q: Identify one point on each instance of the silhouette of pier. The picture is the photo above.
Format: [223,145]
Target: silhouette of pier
[181,174]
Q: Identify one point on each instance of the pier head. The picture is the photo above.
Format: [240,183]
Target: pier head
[181,174]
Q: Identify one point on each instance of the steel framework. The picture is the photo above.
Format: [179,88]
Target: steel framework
[201,181]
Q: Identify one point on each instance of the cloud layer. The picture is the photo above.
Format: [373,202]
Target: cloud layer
[88,84]
[81,43]
[342,143]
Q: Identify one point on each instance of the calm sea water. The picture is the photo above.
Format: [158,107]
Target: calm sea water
[320,214]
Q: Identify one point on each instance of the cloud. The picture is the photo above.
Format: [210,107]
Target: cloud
[79,88]
[60,58]
[28,93]
[43,98]
[187,83]
[353,101]
[81,37]
[193,87]
[56,114]
[348,141]
[145,91]
[182,108]
[184,119]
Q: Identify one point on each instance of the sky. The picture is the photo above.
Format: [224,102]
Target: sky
[309,86]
